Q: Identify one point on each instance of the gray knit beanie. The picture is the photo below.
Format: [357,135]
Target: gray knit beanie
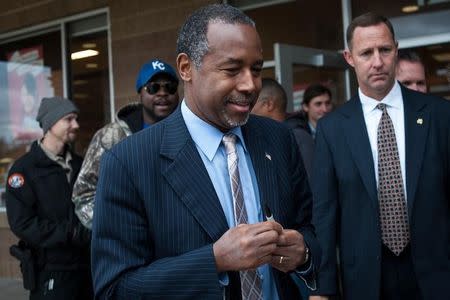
[52,110]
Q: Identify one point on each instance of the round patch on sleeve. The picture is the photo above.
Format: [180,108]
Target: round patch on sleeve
[16,180]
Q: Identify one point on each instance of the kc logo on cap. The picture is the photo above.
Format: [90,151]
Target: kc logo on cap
[153,68]
[159,65]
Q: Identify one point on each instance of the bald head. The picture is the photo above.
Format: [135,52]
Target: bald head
[272,100]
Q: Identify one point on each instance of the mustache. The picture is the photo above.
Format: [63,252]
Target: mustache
[162,101]
[242,99]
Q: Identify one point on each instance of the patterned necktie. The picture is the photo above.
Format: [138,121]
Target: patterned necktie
[250,281]
[391,194]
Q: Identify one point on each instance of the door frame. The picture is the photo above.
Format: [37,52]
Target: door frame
[287,55]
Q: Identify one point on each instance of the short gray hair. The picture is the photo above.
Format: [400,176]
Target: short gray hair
[192,39]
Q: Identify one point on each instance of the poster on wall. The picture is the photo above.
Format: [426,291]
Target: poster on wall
[28,83]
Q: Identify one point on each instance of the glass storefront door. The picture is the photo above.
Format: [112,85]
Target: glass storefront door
[298,67]
[89,84]
[37,63]
[30,69]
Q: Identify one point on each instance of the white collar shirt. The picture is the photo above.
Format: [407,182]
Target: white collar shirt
[372,117]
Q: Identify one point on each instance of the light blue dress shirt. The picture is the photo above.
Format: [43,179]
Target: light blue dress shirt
[208,140]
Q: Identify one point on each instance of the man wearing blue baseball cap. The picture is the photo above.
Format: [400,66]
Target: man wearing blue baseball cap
[157,86]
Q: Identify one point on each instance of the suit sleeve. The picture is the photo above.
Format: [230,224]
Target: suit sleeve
[325,205]
[123,253]
[302,195]
[24,220]
[305,144]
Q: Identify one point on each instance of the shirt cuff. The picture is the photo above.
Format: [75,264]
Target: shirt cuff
[224,280]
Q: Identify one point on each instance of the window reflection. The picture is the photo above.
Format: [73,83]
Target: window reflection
[30,69]
[90,84]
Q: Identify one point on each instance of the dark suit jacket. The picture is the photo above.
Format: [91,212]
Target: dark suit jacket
[157,214]
[346,210]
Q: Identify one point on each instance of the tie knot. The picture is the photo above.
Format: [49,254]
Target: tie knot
[229,141]
[381,106]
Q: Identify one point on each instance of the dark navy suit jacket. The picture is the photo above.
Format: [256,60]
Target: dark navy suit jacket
[346,212]
[157,214]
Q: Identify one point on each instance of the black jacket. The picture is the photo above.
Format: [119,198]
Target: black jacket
[41,213]
[298,120]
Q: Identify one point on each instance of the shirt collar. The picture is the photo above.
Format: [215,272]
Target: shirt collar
[63,160]
[312,128]
[392,99]
[207,137]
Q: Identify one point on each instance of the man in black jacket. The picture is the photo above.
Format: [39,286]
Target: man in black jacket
[40,211]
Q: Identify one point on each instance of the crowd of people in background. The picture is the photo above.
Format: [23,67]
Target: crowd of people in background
[226,195]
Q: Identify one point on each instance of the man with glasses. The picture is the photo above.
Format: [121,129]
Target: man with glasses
[157,86]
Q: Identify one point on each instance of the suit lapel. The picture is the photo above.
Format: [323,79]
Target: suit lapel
[187,175]
[355,131]
[417,121]
[262,160]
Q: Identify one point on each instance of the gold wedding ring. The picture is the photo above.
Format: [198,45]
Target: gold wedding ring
[281,259]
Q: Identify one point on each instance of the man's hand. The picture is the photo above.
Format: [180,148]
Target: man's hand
[246,246]
[290,251]
[318,298]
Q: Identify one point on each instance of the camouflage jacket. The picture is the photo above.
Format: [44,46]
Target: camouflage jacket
[128,121]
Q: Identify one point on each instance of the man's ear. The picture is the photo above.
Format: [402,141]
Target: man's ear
[270,104]
[348,57]
[184,66]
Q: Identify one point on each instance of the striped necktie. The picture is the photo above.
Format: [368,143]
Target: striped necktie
[250,282]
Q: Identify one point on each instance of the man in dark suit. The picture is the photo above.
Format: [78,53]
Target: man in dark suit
[179,213]
[381,181]
[271,103]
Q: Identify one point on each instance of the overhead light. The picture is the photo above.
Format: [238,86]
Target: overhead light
[91,66]
[80,96]
[442,57]
[6,160]
[410,8]
[89,45]
[80,82]
[83,54]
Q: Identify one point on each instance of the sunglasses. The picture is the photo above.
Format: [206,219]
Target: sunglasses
[153,87]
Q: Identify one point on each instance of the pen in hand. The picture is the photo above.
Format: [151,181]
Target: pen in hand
[268,213]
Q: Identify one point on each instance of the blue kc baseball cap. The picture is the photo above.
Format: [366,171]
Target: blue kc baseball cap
[152,68]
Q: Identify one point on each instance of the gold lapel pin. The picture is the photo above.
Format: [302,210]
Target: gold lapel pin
[268,156]
[420,121]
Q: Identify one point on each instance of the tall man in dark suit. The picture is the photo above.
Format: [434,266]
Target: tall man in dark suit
[381,181]
[179,206]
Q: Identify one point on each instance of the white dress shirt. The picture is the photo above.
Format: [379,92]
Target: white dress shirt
[372,116]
